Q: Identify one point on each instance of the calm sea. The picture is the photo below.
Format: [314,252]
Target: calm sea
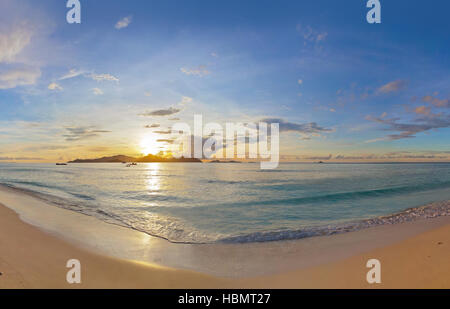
[198,203]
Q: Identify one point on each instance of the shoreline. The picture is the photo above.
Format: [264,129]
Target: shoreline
[35,259]
[289,264]
[431,210]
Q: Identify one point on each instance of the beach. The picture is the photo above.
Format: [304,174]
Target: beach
[35,247]
[224,145]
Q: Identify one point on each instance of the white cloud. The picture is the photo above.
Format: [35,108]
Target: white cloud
[14,72]
[97,91]
[98,77]
[12,44]
[72,73]
[186,100]
[19,77]
[54,86]
[103,77]
[311,35]
[198,71]
[124,22]
[394,86]
[321,36]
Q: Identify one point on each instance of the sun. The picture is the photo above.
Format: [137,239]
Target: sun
[149,145]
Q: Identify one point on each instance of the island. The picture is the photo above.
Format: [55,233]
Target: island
[218,161]
[146,159]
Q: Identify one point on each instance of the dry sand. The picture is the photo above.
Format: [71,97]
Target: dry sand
[32,258]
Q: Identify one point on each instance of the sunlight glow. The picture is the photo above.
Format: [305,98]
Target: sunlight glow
[149,144]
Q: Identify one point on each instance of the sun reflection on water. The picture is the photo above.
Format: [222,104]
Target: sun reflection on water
[152,178]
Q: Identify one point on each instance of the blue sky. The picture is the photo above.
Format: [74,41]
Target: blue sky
[343,87]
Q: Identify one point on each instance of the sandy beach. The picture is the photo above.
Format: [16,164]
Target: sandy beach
[412,255]
[30,258]
[220,145]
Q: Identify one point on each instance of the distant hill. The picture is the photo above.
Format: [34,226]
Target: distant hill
[146,159]
[218,161]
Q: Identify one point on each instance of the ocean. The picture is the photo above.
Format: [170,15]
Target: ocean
[216,203]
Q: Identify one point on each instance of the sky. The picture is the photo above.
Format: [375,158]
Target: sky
[343,90]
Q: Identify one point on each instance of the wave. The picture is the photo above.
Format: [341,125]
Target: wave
[157,198]
[34,184]
[82,196]
[350,195]
[47,186]
[178,231]
[283,171]
[31,170]
[433,210]
[228,182]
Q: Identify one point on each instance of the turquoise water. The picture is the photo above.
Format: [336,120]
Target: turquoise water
[234,202]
